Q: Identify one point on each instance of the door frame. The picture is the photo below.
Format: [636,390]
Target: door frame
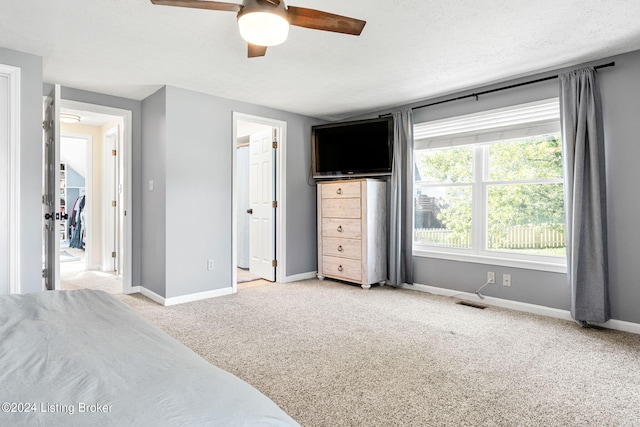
[280,176]
[110,231]
[13,167]
[127,154]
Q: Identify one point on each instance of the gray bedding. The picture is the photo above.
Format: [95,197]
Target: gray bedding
[85,358]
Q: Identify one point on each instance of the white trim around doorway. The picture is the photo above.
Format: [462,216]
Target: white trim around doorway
[281,179]
[127,134]
[107,261]
[13,76]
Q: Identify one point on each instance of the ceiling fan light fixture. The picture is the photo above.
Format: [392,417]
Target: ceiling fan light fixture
[265,23]
[263,28]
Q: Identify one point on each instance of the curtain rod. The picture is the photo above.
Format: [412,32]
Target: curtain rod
[476,95]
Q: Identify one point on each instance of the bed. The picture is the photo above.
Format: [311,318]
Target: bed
[85,358]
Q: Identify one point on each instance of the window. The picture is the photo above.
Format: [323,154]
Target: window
[489,187]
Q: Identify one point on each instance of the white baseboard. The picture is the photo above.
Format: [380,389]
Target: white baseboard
[301,276]
[133,290]
[619,325]
[151,295]
[183,298]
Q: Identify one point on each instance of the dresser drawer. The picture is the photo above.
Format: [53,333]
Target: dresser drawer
[343,248]
[340,190]
[341,208]
[342,227]
[342,268]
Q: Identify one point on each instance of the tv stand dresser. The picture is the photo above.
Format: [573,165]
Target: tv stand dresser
[352,230]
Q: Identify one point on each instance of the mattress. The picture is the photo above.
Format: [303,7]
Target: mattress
[80,358]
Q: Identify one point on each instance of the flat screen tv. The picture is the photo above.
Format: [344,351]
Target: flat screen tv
[352,149]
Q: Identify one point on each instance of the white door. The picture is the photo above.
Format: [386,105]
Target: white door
[261,205]
[51,192]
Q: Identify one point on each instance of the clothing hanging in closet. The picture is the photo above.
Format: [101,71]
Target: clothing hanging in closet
[76,224]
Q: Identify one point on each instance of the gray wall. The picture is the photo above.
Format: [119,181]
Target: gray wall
[152,166]
[198,187]
[621,104]
[301,196]
[30,166]
[620,88]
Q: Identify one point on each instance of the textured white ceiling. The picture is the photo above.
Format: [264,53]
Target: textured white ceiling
[409,50]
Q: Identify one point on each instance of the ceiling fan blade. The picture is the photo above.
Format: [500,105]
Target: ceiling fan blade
[200,4]
[256,51]
[274,2]
[318,20]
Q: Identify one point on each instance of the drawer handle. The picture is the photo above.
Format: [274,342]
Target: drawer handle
[339,191]
[340,248]
[340,269]
[339,229]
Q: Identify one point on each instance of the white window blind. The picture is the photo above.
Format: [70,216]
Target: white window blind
[531,119]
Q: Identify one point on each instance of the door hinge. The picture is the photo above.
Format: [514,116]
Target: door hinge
[45,125]
[113,203]
[274,263]
[44,272]
[274,204]
[275,144]
[114,152]
[113,254]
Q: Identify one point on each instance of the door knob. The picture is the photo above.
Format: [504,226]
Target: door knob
[250,211]
[48,216]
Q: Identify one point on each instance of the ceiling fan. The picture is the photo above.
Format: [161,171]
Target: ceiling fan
[265,23]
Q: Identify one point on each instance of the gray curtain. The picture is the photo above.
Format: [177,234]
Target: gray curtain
[585,195]
[401,201]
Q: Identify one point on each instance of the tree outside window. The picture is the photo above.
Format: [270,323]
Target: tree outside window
[508,192]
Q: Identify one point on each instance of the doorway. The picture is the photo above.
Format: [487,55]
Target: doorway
[258,199]
[94,185]
[89,239]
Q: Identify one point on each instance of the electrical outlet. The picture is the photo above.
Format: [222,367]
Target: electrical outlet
[210,265]
[491,277]
[506,280]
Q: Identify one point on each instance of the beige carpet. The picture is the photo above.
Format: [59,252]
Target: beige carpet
[332,354]
[74,276]
[245,276]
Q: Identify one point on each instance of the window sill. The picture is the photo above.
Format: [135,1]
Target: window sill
[560,267]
